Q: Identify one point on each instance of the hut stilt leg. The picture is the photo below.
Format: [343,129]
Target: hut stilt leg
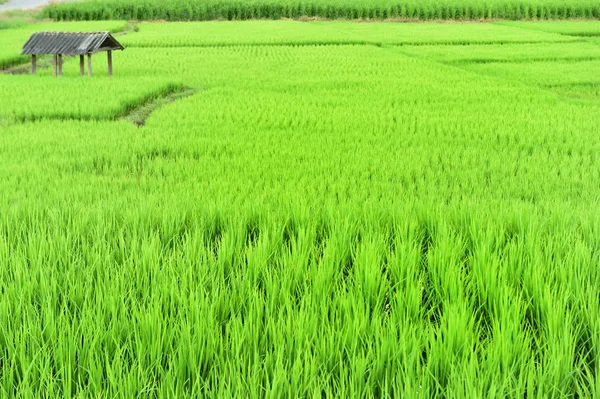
[109,54]
[81,65]
[60,62]
[54,67]
[33,64]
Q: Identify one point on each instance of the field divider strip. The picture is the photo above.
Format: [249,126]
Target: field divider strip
[532,29]
[135,111]
[520,61]
[142,112]
[21,65]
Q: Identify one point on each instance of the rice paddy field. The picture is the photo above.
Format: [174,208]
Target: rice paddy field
[334,209]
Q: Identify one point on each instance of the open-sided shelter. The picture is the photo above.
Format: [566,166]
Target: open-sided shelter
[61,44]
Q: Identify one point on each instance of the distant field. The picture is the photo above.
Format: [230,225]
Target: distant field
[185,10]
[335,210]
[577,28]
[508,53]
[190,34]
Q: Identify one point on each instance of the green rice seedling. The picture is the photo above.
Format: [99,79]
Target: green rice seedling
[545,73]
[510,53]
[178,10]
[317,219]
[78,98]
[190,34]
[570,28]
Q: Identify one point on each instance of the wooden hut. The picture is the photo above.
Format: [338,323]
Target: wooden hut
[61,44]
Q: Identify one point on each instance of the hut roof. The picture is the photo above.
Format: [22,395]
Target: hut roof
[70,43]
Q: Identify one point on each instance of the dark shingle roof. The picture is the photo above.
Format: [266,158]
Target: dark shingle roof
[70,43]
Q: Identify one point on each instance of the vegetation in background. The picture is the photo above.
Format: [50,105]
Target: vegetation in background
[189,10]
[16,18]
[347,220]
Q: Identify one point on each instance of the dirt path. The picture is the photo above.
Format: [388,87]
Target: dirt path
[24,4]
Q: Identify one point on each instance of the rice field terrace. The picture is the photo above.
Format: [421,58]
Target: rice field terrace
[303,209]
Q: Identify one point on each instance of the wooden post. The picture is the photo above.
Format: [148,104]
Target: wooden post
[90,64]
[109,52]
[60,62]
[33,64]
[54,73]
[81,65]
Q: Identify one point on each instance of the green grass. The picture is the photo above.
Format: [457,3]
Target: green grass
[185,10]
[315,220]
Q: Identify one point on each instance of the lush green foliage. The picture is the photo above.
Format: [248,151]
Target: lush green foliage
[329,220]
[185,10]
